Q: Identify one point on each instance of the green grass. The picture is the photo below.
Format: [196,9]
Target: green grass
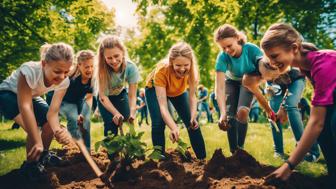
[258,143]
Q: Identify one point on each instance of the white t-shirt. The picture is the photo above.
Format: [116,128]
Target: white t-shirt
[33,73]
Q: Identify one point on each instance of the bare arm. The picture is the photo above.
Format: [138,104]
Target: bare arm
[52,116]
[89,99]
[252,83]
[132,99]
[162,100]
[193,102]
[24,96]
[106,102]
[220,92]
[310,134]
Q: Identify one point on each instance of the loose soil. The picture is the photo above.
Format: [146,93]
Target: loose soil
[240,170]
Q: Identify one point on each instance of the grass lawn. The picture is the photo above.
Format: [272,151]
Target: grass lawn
[259,143]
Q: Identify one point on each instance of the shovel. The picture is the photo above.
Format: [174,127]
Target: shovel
[93,165]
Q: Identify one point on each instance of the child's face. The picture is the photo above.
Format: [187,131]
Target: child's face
[280,58]
[230,46]
[114,58]
[181,66]
[55,72]
[86,68]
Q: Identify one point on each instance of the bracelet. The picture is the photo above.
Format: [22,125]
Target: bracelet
[290,165]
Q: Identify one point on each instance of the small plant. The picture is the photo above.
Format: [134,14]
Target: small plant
[182,149]
[123,151]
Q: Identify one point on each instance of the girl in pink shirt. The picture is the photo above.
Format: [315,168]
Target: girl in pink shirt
[283,45]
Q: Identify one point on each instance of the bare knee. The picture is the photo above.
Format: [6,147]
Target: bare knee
[242,114]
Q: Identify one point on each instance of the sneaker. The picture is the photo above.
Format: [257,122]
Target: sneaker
[311,157]
[49,158]
[33,171]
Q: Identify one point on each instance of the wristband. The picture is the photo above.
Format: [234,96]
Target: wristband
[290,165]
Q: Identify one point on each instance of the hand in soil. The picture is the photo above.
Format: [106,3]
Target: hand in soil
[62,136]
[35,152]
[279,175]
[174,135]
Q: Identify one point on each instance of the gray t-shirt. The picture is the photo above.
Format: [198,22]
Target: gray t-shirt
[118,80]
[33,73]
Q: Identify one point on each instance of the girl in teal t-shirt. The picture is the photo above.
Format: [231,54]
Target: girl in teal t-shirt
[236,59]
[115,72]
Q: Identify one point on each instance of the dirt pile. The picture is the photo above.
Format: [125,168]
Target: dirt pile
[238,171]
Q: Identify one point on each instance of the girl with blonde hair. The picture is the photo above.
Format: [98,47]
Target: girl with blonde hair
[20,101]
[170,80]
[77,102]
[114,72]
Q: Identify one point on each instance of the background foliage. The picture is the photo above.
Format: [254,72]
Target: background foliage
[161,23]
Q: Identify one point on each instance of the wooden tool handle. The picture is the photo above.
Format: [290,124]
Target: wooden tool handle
[93,165]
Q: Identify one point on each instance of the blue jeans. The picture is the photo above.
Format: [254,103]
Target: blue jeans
[71,111]
[120,102]
[181,104]
[295,90]
[254,114]
[144,114]
[10,108]
[204,107]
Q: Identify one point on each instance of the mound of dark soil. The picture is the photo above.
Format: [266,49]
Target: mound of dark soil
[238,171]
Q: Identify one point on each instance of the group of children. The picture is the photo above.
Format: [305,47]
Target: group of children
[240,68]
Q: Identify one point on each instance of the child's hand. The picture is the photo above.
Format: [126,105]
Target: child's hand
[282,115]
[271,115]
[223,123]
[174,135]
[62,136]
[194,124]
[116,119]
[131,119]
[80,119]
[279,175]
[35,152]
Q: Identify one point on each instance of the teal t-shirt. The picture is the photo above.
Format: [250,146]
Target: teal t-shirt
[118,80]
[235,68]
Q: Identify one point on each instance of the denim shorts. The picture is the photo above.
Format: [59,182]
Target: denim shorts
[10,109]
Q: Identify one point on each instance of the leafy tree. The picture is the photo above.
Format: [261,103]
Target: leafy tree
[164,22]
[29,24]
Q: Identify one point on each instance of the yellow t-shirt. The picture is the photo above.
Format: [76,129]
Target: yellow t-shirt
[164,76]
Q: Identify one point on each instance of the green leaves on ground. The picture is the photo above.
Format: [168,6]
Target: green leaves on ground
[128,146]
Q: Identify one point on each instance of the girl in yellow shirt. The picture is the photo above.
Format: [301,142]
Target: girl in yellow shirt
[169,81]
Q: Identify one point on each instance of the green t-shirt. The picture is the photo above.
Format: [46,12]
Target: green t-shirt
[235,68]
[118,80]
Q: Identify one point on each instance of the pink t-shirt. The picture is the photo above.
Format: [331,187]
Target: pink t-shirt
[323,76]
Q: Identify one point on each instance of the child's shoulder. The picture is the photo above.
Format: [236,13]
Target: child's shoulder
[30,68]
[32,64]
[131,66]
[251,46]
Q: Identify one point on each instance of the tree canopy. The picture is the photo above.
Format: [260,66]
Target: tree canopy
[29,24]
